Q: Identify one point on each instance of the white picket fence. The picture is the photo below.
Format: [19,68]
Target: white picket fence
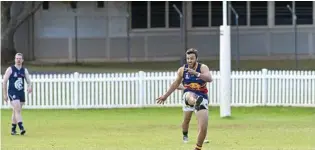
[140,89]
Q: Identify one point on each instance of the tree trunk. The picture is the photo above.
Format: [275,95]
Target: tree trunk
[7,42]
[10,26]
[7,48]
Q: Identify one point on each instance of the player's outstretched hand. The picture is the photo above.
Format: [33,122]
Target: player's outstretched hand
[161,99]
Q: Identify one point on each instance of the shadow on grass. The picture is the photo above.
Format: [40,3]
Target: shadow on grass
[228,118]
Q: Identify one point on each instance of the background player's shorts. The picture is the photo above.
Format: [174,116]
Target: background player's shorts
[187,108]
[16,96]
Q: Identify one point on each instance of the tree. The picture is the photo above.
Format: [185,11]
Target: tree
[10,23]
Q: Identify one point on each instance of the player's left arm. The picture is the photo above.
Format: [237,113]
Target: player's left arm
[205,74]
[28,79]
[181,87]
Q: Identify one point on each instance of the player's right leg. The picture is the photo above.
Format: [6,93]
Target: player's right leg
[188,110]
[14,122]
[185,124]
[16,104]
[194,100]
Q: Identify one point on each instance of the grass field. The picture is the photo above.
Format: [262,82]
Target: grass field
[254,128]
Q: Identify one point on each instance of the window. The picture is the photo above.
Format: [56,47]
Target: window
[283,15]
[157,14]
[174,19]
[216,13]
[139,11]
[100,4]
[45,5]
[258,13]
[304,12]
[73,4]
[241,9]
[200,14]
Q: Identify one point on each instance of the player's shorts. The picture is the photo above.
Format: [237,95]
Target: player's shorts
[16,96]
[188,108]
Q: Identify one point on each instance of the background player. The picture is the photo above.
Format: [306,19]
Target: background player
[16,74]
[194,77]
[187,113]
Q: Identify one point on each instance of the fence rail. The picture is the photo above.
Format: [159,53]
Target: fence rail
[140,89]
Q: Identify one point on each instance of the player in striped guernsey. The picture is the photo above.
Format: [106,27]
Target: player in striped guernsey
[194,77]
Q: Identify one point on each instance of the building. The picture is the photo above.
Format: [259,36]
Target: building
[116,31]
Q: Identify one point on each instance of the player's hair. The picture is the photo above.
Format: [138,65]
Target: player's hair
[192,51]
[19,54]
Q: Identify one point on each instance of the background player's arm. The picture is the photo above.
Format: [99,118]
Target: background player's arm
[7,74]
[27,78]
[176,83]
[205,73]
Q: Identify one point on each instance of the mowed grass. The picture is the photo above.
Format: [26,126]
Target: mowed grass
[256,128]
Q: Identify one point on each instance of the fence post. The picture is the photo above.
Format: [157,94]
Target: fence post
[141,89]
[264,86]
[76,90]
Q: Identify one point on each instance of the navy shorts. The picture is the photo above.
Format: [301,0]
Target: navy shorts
[16,96]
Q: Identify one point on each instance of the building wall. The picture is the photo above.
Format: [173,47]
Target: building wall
[102,36]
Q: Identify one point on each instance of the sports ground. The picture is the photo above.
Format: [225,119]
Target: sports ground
[255,128]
